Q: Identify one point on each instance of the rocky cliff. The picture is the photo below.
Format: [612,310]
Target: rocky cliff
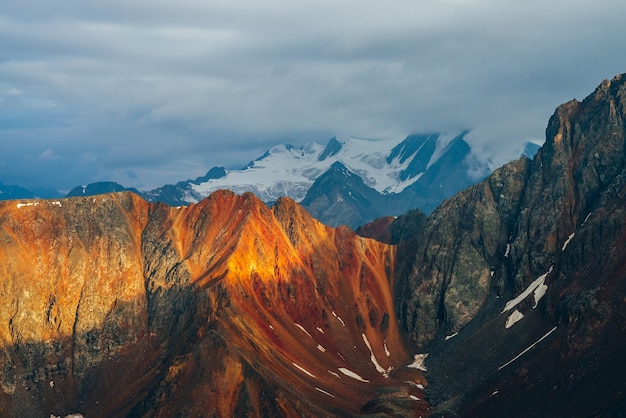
[516,287]
[533,254]
[113,306]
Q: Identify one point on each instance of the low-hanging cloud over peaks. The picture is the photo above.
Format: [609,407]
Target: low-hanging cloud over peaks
[96,90]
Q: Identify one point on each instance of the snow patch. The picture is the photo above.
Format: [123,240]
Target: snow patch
[387,353]
[351,374]
[513,318]
[320,330]
[21,205]
[508,250]
[443,143]
[304,370]
[379,368]
[415,398]
[539,282]
[68,416]
[397,188]
[539,292]
[527,349]
[418,362]
[333,373]
[322,349]
[324,392]
[417,385]
[567,241]
[57,202]
[340,320]
[448,337]
[303,329]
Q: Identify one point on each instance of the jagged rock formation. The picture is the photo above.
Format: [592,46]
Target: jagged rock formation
[113,306]
[516,286]
[555,226]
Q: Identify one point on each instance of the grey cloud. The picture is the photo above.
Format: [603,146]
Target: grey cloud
[154,92]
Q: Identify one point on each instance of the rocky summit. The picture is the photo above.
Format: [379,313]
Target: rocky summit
[530,262]
[509,299]
[118,307]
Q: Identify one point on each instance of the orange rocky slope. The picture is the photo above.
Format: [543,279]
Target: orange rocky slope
[117,307]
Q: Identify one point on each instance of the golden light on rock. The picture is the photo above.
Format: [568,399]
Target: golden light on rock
[218,308]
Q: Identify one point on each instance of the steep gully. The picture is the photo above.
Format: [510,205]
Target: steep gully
[118,307]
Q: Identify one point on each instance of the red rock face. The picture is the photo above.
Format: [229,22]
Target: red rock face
[378,229]
[116,307]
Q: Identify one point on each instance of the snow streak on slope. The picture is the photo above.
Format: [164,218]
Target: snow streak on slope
[443,143]
[289,171]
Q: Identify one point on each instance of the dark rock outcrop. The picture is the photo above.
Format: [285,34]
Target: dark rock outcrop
[339,197]
[560,218]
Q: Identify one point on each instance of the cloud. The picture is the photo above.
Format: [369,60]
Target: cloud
[49,155]
[167,91]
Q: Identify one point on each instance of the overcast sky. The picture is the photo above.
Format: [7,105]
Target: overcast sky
[152,92]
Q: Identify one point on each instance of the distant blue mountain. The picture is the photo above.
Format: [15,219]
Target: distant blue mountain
[100,188]
[347,181]
[435,168]
[8,192]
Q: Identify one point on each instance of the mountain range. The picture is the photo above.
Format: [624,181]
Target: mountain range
[508,299]
[346,182]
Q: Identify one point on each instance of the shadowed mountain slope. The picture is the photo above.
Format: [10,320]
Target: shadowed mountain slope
[482,263]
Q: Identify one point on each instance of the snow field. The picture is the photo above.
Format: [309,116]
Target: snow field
[289,171]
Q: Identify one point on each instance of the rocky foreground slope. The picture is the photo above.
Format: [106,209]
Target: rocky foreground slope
[113,306]
[516,287]
[533,258]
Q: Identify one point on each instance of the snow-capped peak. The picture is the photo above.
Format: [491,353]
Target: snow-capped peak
[285,170]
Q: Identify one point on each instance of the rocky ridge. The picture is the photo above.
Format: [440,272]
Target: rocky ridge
[515,287]
[552,227]
[118,307]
